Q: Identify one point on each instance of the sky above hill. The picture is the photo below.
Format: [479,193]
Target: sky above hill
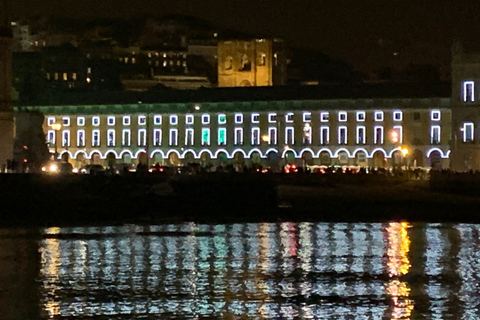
[369,34]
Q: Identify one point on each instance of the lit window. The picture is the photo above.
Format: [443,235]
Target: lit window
[222,136]
[205,136]
[110,138]
[435,134]
[222,118]
[189,137]
[324,135]
[468,134]
[50,121]
[361,136]
[189,119]
[80,121]
[205,118]
[126,141]
[324,116]
[378,134]
[307,134]
[142,137]
[142,120]
[342,116]
[397,134]
[342,135]
[272,117]
[157,119]
[50,137]
[111,120]
[378,115]
[66,138]
[66,121]
[126,120]
[360,116]
[289,117]
[65,76]
[81,138]
[157,137]
[255,118]
[468,91]
[95,121]
[173,119]
[238,118]
[307,116]
[238,139]
[96,138]
[289,135]
[255,136]
[272,135]
[397,115]
[435,115]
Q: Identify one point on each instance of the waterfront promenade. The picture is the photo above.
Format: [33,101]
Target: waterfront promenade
[228,197]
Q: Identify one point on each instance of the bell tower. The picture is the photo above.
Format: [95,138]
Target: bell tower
[6,109]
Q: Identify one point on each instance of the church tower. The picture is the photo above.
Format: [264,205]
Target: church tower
[6,109]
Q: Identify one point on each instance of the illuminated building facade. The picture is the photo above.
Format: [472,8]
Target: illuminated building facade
[251,63]
[465,110]
[383,132]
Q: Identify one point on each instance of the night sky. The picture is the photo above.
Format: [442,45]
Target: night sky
[366,33]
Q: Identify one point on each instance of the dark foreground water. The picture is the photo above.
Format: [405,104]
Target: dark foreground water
[242,271]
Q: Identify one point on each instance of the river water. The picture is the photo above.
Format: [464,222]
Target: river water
[242,271]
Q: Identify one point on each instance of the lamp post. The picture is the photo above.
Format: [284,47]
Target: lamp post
[405,153]
[56,127]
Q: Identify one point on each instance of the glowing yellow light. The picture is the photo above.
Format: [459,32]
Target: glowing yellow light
[265,138]
[404,151]
[56,126]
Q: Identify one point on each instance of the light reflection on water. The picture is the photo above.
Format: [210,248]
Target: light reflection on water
[258,271]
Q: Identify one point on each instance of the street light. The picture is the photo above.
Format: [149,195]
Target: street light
[405,153]
[56,127]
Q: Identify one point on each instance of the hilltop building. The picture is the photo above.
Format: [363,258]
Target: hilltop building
[251,63]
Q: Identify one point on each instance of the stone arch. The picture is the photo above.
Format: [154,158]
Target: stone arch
[273,159]
[417,158]
[127,157]
[142,158]
[222,157]
[111,159]
[96,158]
[189,158]
[379,159]
[289,157]
[435,160]
[343,158]
[238,161]
[397,160]
[361,158]
[80,160]
[245,83]
[157,157]
[307,158]
[205,159]
[255,158]
[174,159]
[325,158]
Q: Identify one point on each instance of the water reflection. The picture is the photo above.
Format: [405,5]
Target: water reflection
[256,271]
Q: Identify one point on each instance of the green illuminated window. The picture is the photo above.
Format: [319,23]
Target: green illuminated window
[222,136]
[222,119]
[205,136]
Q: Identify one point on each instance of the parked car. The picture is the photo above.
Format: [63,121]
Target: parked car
[92,169]
[57,167]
